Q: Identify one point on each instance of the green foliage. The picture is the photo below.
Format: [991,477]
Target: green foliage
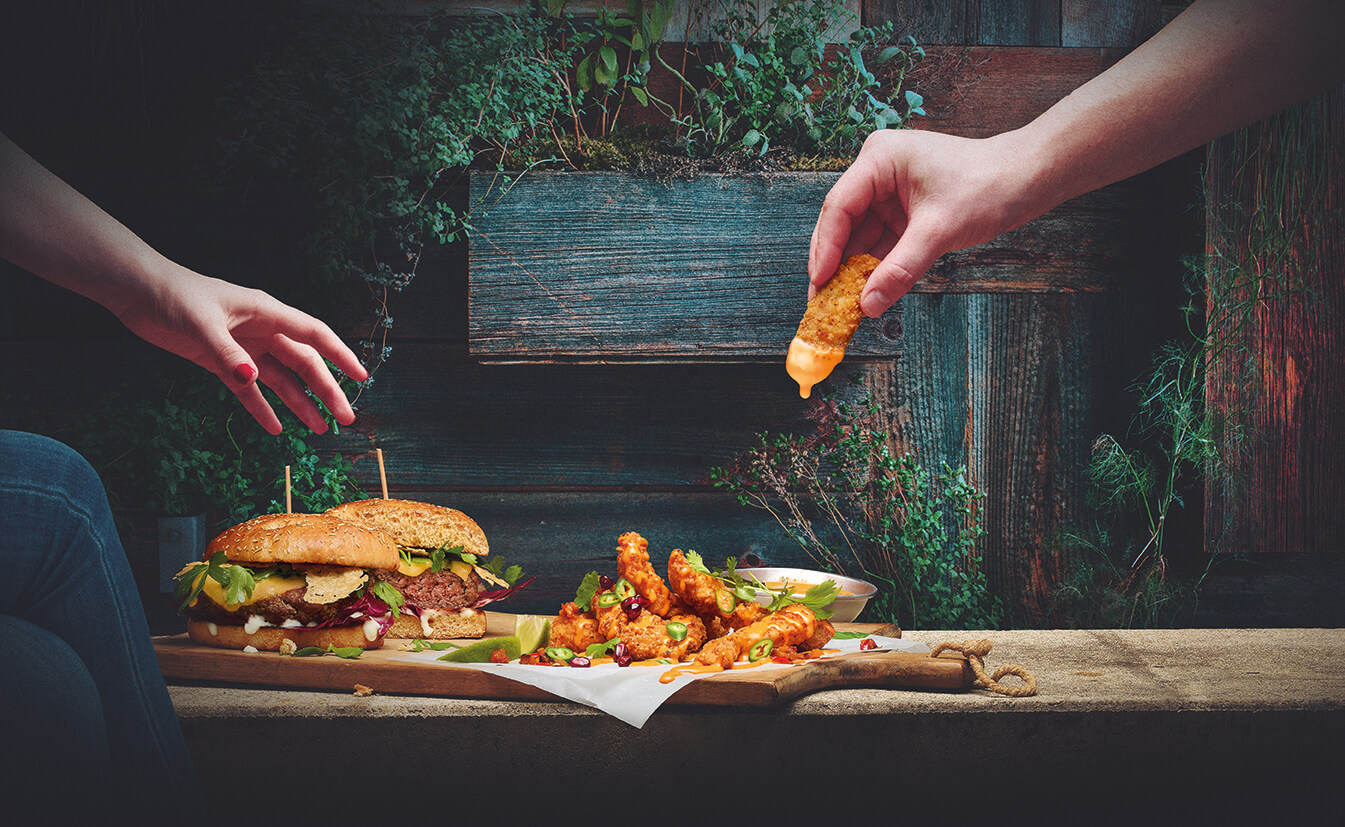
[849,502]
[365,120]
[784,82]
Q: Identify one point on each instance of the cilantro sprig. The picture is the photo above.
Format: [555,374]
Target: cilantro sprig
[237,580]
[583,596]
[440,557]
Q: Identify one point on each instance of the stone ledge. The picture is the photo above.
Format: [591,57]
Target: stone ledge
[1242,718]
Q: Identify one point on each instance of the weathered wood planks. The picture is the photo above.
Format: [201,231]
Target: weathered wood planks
[606,266]
[1276,373]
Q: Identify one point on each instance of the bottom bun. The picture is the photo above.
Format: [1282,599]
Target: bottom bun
[437,624]
[269,638]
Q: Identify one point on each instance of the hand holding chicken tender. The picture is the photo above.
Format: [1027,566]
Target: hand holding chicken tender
[829,323]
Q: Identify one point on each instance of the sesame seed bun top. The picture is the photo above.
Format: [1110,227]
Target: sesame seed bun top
[416,524]
[315,539]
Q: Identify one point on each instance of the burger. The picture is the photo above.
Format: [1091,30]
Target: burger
[443,579]
[303,578]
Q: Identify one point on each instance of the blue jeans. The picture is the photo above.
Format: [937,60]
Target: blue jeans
[81,690]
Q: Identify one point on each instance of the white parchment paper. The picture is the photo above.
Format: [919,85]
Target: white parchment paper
[631,693]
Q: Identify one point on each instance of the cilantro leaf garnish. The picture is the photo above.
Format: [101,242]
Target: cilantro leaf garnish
[583,596]
[420,645]
[389,594]
[238,581]
[597,650]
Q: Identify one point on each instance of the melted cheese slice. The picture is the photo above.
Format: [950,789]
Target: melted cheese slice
[270,587]
[419,566]
[809,364]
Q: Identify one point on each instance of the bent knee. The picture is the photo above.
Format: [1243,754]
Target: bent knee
[39,460]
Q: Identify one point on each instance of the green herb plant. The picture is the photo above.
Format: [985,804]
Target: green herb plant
[853,505]
[784,82]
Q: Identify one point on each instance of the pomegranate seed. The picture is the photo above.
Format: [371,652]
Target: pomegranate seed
[580,660]
[606,583]
[620,651]
[623,660]
[632,606]
[868,643]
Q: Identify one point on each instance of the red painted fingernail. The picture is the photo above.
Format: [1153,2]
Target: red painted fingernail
[245,373]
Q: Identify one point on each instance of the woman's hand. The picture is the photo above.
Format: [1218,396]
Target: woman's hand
[241,335]
[911,196]
[245,337]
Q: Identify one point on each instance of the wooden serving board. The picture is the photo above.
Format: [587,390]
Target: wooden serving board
[183,660]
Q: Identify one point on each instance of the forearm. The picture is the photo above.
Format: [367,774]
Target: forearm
[1219,65]
[51,230]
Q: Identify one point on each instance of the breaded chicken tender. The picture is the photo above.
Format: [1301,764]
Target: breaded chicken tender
[828,324]
[632,563]
[704,594]
[575,628]
[820,637]
[649,636]
[790,626]
[708,597]
[611,618]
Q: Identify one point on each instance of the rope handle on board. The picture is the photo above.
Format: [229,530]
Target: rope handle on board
[976,650]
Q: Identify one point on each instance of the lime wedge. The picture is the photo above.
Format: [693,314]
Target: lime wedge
[533,632]
[481,651]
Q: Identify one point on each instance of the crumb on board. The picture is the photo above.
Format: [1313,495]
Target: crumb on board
[288,647]
[362,691]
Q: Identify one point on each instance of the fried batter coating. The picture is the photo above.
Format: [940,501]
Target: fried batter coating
[647,636]
[576,629]
[632,563]
[790,626]
[701,592]
[829,323]
[821,637]
[707,596]
[611,619]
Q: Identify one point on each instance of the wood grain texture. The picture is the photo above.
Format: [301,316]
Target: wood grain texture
[604,266]
[612,267]
[979,91]
[1281,377]
[449,423]
[979,22]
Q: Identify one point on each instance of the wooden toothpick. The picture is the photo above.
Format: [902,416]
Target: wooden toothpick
[382,476]
[288,508]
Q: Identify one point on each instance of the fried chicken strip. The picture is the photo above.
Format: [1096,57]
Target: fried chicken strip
[790,626]
[708,597]
[648,635]
[575,628]
[632,563]
[828,324]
